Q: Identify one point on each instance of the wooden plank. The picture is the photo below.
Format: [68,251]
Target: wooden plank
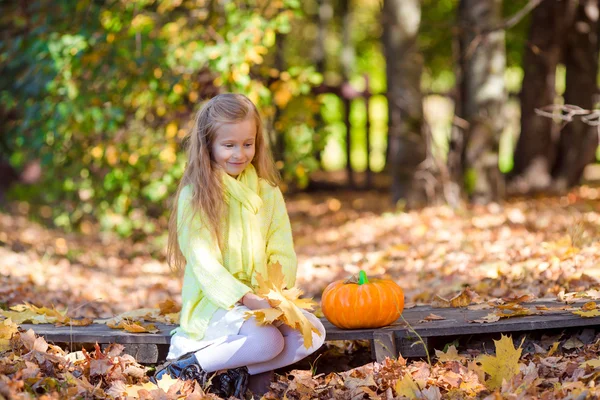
[100,333]
[384,343]
[412,346]
[456,323]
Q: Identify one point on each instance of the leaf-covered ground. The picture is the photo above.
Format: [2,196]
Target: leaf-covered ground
[542,247]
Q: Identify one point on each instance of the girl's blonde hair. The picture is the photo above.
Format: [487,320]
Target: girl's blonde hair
[203,174]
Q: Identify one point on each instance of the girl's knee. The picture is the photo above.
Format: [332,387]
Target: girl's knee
[270,342]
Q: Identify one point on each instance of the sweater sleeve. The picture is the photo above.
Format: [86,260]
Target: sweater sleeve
[204,257]
[280,243]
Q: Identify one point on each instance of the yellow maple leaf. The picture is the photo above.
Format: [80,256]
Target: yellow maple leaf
[588,314]
[502,366]
[145,314]
[162,386]
[7,330]
[287,301]
[595,363]
[450,355]
[22,313]
[407,387]
[267,315]
[26,312]
[553,349]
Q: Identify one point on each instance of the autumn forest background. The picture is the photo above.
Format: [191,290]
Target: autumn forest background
[443,144]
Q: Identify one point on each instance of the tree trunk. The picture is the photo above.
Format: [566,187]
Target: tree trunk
[578,141]
[324,16]
[278,143]
[406,140]
[535,151]
[347,61]
[482,99]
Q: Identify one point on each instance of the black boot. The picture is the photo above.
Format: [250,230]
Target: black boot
[185,368]
[233,382]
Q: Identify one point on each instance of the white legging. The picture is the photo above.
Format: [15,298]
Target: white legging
[260,348]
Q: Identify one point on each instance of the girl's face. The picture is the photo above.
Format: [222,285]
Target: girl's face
[234,146]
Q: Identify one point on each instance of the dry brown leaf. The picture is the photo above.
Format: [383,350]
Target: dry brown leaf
[520,299]
[491,317]
[169,307]
[133,326]
[463,299]
[480,306]
[432,317]
[451,379]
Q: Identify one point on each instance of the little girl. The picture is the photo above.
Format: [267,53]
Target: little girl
[228,223]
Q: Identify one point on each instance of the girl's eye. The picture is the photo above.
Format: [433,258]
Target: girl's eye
[228,145]
[249,144]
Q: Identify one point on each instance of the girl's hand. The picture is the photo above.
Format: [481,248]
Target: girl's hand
[255,302]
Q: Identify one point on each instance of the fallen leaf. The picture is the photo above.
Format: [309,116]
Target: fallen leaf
[451,379]
[432,317]
[502,366]
[463,299]
[450,355]
[521,299]
[7,329]
[134,327]
[595,363]
[588,314]
[355,382]
[553,349]
[169,307]
[590,305]
[572,343]
[492,317]
[480,306]
[407,387]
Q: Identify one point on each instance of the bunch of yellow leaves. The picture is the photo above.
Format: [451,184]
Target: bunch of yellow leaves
[287,304]
[23,313]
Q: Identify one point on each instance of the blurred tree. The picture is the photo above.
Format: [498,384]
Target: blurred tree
[406,125]
[578,141]
[474,144]
[535,151]
[547,155]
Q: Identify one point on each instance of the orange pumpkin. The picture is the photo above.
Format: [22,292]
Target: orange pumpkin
[355,304]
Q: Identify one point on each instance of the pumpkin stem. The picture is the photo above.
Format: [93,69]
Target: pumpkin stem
[362,277]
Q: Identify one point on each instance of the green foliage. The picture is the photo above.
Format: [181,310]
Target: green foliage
[104,92]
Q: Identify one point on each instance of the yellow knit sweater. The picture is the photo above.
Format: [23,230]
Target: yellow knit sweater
[207,282]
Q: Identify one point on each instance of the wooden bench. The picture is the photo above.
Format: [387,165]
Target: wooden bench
[389,341]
